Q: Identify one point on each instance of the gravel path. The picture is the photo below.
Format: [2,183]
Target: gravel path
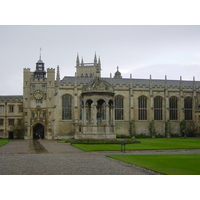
[21,157]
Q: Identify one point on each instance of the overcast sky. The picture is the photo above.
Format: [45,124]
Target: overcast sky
[138,50]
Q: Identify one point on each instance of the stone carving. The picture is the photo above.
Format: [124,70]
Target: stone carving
[98,85]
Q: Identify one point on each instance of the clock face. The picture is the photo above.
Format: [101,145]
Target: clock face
[38,94]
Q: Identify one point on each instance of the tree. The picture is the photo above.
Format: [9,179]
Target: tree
[152,129]
[132,128]
[19,130]
[167,128]
[182,127]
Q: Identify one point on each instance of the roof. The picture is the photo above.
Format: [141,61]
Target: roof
[11,98]
[135,82]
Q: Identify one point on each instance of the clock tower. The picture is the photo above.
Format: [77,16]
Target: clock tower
[38,101]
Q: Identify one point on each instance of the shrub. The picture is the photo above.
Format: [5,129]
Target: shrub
[142,136]
[123,136]
[175,135]
[159,136]
[127,141]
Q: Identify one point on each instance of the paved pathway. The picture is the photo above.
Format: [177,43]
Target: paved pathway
[53,158]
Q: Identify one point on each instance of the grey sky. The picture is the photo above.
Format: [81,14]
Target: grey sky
[138,50]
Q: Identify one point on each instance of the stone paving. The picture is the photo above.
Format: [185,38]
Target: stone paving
[46,157]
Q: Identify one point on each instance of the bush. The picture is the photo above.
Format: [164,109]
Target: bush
[142,136]
[159,136]
[123,136]
[175,135]
[127,141]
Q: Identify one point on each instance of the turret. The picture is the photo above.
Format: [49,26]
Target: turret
[40,71]
[58,75]
[77,61]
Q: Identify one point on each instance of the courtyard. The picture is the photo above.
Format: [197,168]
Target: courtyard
[50,157]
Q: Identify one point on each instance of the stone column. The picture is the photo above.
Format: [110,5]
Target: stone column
[94,108]
[84,114]
[107,115]
[107,119]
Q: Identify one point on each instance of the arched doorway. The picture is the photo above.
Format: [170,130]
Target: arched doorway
[38,131]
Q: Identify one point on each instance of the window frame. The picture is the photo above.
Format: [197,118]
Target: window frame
[119,107]
[158,108]
[173,108]
[142,108]
[188,108]
[67,107]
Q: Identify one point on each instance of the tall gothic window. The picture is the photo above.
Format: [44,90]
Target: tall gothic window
[188,108]
[142,108]
[66,107]
[173,108]
[158,108]
[119,108]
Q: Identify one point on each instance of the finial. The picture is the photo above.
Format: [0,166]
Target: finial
[58,73]
[95,58]
[82,64]
[117,68]
[77,60]
[99,62]
[40,53]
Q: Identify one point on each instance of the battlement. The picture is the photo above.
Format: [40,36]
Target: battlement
[27,69]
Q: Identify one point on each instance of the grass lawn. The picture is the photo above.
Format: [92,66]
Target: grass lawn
[166,164]
[146,144]
[3,142]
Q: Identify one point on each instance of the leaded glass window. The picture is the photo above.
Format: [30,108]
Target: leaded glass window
[142,108]
[173,108]
[1,109]
[158,108]
[119,108]
[66,107]
[188,108]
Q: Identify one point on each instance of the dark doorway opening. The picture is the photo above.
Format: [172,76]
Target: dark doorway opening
[11,135]
[38,131]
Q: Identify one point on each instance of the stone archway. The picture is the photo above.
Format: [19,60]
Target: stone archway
[38,131]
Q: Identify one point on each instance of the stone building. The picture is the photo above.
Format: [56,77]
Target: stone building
[89,106]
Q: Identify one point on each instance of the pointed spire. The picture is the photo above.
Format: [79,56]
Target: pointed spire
[58,74]
[99,62]
[77,60]
[40,53]
[95,59]
[82,64]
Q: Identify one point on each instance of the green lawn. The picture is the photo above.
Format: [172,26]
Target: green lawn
[3,142]
[146,144]
[166,164]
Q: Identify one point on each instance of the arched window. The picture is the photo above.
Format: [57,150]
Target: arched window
[89,110]
[173,108]
[101,111]
[142,108]
[188,108]
[66,107]
[158,108]
[119,108]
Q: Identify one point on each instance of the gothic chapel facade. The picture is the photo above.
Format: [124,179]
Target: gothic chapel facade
[87,106]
